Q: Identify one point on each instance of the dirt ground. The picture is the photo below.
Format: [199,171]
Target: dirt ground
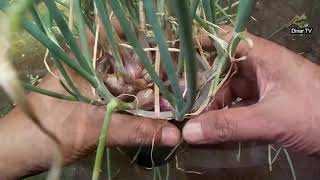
[273,14]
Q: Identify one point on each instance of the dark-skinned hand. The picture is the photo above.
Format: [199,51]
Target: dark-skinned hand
[280,101]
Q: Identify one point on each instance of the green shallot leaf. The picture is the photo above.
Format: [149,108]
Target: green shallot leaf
[164,53]
[67,34]
[36,32]
[244,13]
[82,33]
[102,9]
[185,26]
[134,42]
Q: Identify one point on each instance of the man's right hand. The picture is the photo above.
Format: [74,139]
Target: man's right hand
[280,93]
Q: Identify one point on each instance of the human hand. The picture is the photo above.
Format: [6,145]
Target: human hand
[81,123]
[280,97]
[77,125]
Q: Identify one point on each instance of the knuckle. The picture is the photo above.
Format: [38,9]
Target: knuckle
[143,133]
[221,128]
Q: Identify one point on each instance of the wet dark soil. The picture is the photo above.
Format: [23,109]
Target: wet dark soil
[272,15]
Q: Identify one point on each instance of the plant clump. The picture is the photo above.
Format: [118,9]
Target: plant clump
[162,59]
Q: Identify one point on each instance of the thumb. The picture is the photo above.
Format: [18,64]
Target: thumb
[235,124]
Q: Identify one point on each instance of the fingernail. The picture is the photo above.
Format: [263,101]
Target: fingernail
[169,136]
[192,133]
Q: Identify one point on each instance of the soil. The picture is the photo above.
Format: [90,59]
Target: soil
[220,162]
[272,15]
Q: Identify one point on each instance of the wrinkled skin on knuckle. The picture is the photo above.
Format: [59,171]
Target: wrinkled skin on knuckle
[221,128]
[145,132]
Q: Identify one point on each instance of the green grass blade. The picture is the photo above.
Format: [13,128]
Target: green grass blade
[206,4]
[180,65]
[244,13]
[82,33]
[88,14]
[154,174]
[102,10]
[65,87]
[225,14]
[164,53]
[43,23]
[63,3]
[185,25]
[168,171]
[194,6]
[211,30]
[67,34]
[213,10]
[293,172]
[57,51]
[134,42]
[111,107]
[133,11]
[36,89]
[36,17]
[4,4]
[229,11]
[158,173]
[109,164]
[64,73]
[222,63]
[48,21]
[40,22]
[57,62]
